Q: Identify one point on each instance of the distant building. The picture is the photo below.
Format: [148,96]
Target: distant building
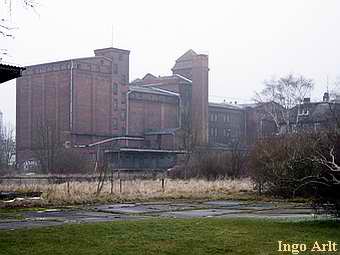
[315,116]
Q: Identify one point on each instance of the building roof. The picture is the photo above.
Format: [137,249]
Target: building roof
[9,72]
[187,55]
[317,111]
[151,90]
[185,61]
[225,105]
[251,105]
[152,80]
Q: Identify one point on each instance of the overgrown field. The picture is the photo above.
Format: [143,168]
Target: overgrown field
[196,236]
[137,190]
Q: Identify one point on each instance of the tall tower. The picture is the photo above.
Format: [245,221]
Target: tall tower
[196,68]
[120,84]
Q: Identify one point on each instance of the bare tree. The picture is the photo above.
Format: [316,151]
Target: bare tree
[280,96]
[7,146]
[187,138]
[6,27]
[9,6]
[46,145]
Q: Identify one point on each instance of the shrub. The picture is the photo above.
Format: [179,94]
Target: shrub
[212,165]
[277,164]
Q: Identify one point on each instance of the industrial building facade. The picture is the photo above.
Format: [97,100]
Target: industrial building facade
[90,100]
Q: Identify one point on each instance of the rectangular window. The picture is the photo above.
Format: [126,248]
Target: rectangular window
[227,132]
[303,110]
[213,116]
[114,123]
[122,115]
[115,68]
[120,57]
[115,104]
[124,80]
[115,88]
[226,117]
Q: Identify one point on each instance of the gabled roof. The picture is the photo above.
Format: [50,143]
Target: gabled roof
[187,56]
[317,111]
[160,80]
[149,76]
[184,61]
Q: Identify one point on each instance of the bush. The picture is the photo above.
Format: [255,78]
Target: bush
[211,165]
[278,163]
[71,161]
[326,184]
[299,164]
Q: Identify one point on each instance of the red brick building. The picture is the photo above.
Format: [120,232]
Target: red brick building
[89,100]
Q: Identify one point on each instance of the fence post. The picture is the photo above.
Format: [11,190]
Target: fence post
[111,182]
[68,185]
[120,185]
[163,186]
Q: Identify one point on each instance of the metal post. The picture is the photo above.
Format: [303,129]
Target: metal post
[120,185]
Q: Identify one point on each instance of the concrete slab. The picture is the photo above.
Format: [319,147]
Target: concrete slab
[221,203]
[198,213]
[138,211]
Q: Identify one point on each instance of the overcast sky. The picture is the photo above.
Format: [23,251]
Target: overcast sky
[248,41]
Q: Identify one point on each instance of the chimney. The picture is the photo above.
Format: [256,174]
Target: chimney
[306,100]
[199,102]
[325,97]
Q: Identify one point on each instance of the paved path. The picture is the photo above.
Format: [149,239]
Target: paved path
[139,211]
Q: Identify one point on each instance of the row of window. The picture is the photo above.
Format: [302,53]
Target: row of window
[115,102]
[303,111]
[115,120]
[66,66]
[213,116]
[213,132]
[115,87]
[81,66]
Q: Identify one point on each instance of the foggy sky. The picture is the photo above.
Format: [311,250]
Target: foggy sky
[248,41]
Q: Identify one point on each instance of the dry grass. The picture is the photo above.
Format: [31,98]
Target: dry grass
[135,190]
